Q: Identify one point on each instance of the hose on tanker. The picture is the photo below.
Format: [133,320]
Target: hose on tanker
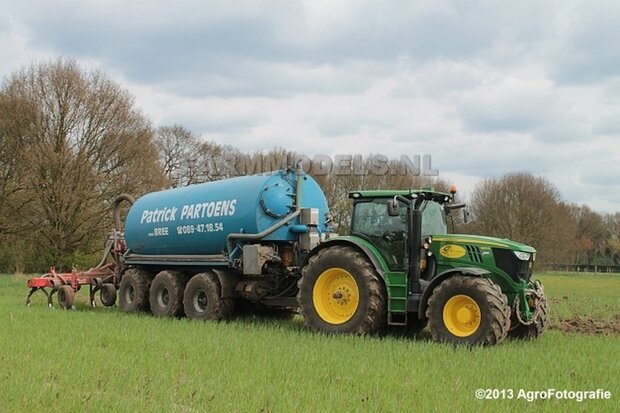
[255,237]
[118,225]
[106,252]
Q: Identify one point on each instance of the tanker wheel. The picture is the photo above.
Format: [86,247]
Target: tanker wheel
[340,292]
[468,310]
[108,295]
[532,331]
[203,300]
[134,290]
[66,296]
[166,294]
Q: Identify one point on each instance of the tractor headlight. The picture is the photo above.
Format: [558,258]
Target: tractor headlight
[523,256]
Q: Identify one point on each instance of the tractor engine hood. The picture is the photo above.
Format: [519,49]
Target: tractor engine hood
[516,260]
[484,241]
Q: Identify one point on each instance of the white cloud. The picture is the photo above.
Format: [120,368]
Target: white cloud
[485,88]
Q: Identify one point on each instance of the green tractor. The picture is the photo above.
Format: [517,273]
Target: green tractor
[400,267]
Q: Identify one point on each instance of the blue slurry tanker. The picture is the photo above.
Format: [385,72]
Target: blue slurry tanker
[263,244]
[202,250]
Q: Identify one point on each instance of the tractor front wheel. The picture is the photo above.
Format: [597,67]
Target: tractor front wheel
[341,292]
[468,310]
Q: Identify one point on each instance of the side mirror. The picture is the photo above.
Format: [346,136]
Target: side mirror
[465,215]
[393,208]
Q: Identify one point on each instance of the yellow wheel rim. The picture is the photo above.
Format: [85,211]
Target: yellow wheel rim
[335,296]
[461,315]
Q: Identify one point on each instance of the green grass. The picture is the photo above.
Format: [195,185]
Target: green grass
[573,294]
[103,360]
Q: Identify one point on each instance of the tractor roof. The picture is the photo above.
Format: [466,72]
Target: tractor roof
[381,193]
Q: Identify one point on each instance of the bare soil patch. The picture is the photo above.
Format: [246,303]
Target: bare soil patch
[588,325]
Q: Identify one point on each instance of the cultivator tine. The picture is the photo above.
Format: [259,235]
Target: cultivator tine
[44,291]
[92,296]
[32,291]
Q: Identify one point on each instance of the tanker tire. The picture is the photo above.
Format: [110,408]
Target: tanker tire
[66,296]
[107,294]
[534,330]
[370,314]
[166,294]
[203,300]
[134,290]
[492,303]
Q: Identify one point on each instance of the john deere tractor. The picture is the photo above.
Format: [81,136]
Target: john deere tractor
[399,266]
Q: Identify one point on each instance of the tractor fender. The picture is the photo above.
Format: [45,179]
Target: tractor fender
[351,243]
[474,271]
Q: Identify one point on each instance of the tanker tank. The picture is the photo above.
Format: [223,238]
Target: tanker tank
[196,219]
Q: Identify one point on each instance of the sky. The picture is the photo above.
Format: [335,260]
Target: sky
[484,87]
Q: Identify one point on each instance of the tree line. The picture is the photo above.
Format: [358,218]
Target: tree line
[72,139]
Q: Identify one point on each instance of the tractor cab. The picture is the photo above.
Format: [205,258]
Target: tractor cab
[387,229]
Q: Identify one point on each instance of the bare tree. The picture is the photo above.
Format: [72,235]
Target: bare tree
[186,159]
[528,209]
[79,143]
[592,234]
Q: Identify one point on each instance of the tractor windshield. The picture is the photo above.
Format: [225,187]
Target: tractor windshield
[433,219]
[389,234]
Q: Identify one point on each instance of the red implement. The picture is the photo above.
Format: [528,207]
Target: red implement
[104,277]
[67,284]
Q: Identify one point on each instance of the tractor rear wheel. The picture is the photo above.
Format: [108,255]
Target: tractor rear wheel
[166,294]
[538,326]
[134,290]
[203,300]
[468,310]
[341,292]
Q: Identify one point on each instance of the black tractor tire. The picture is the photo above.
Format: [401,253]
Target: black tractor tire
[203,300]
[415,325]
[166,294]
[534,330]
[490,326]
[107,294]
[367,317]
[134,290]
[66,296]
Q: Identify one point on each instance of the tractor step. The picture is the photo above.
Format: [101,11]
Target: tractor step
[397,319]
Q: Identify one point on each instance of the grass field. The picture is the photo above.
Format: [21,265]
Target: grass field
[103,360]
